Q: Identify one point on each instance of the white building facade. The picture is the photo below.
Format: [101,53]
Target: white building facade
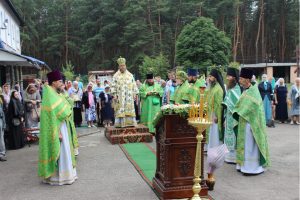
[9,28]
[12,62]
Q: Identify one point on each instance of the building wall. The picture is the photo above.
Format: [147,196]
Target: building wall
[10,36]
[270,71]
[293,75]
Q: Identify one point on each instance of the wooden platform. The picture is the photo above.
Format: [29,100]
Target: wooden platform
[128,134]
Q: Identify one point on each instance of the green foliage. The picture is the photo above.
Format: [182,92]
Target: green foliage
[158,66]
[68,71]
[201,44]
[93,33]
[235,65]
[84,79]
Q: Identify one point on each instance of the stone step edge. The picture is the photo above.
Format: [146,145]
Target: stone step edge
[148,137]
[128,133]
[138,129]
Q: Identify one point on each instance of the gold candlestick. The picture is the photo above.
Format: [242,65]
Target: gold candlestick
[200,124]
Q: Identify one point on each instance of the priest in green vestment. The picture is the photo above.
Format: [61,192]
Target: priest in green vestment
[232,96]
[252,143]
[70,122]
[201,83]
[182,87]
[215,94]
[193,92]
[56,164]
[151,94]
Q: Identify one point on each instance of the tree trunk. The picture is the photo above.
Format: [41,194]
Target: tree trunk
[236,34]
[150,22]
[282,31]
[176,32]
[263,48]
[159,28]
[242,41]
[259,28]
[66,31]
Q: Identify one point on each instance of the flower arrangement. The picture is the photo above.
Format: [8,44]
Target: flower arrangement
[182,110]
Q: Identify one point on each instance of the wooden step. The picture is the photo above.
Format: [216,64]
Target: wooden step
[128,135]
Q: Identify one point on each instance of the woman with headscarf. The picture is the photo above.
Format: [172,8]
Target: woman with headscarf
[2,128]
[68,85]
[15,122]
[89,102]
[18,89]
[107,112]
[75,93]
[280,98]
[6,95]
[32,100]
[266,92]
[294,101]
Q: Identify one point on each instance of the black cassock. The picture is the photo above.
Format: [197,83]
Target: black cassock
[281,107]
[16,139]
[107,112]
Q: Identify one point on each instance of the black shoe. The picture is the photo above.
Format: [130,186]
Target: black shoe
[230,163]
[273,124]
[246,174]
[2,159]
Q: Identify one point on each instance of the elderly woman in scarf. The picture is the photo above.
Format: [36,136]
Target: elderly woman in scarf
[32,100]
[280,98]
[76,94]
[107,112]
[6,95]
[89,102]
[294,101]
[266,92]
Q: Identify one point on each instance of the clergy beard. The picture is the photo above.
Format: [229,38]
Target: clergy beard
[151,83]
[60,90]
[192,81]
[231,84]
[211,84]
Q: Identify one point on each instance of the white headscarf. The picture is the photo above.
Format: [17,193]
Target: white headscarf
[278,82]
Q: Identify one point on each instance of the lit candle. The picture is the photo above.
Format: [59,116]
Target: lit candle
[192,111]
[201,107]
[195,111]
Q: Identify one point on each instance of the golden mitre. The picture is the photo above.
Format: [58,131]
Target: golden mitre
[121,61]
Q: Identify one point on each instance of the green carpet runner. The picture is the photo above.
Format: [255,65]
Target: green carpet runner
[143,159]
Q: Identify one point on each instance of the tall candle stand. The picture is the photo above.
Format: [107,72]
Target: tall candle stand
[201,123]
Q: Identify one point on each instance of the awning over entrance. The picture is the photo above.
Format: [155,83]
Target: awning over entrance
[36,61]
[8,58]
[12,59]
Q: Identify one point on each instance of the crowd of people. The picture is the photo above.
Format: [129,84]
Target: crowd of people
[18,110]
[241,109]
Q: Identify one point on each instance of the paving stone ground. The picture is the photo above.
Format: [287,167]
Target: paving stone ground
[105,173]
